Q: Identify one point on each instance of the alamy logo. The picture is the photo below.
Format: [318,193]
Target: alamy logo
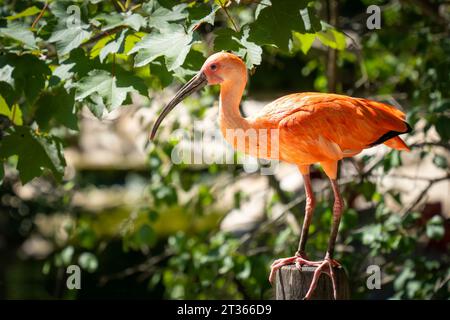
[257,149]
[374,279]
[74,18]
[74,279]
[374,20]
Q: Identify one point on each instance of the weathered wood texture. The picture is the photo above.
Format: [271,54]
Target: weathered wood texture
[293,284]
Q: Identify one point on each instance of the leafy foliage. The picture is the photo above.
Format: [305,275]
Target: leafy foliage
[173,43]
[64,35]
[34,151]
[275,22]
[106,89]
[57,59]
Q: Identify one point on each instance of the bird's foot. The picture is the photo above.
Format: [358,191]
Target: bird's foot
[300,259]
[326,266]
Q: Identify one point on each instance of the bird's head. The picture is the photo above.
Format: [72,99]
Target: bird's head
[220,68]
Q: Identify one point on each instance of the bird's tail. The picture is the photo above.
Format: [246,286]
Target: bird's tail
[397,143]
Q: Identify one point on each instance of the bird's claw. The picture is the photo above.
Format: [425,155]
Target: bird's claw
[326,266]
[299,260]
[322,266]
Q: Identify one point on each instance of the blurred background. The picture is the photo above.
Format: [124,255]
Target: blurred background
[140,226]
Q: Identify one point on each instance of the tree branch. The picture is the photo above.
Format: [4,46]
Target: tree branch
[143,267]
[229,16]
[103,34]
[40,15]
[432,144]
[417,200]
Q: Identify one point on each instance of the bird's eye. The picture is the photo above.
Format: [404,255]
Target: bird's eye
[213,67]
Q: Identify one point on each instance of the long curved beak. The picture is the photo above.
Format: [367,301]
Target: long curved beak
[195,84]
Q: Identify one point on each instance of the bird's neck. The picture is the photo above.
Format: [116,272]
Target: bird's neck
[230,116]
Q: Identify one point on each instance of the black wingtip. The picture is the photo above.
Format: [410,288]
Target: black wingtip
[391,134]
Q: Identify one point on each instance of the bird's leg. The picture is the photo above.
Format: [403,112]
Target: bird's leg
[329,263]
[309,210]
[300,257]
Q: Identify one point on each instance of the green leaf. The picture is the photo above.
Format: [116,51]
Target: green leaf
[194,61]
[275,22]
[146,235]
[396,159]
[69,38]
[7,81]
[245,272]
[161,17]
[63,72]
[100,44]
[112,20]
[303,41]
[368,189]
[158,68]
[440,161]
[76,64]
[96,104]
[310,20]
[107,89]
[31,11]
[227,39]
[435,228]
[443,106]
[406,274]
[23,78]
[67,254]
[164,194]
[86,236]
[60,9]
[14,114]
[6,74]
[332,38]
[17,31]
[7,91]
[35,153]
[227,265]
[199,14]
[174,44]
[251,51]
[56,107]
[88,261]
[413,287]
[135,21]
[114,46]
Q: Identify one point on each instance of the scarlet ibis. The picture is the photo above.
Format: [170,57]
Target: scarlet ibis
[312,128]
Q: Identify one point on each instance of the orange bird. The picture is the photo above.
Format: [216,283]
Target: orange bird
[310,128]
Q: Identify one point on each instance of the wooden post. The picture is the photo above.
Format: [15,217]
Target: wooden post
[293,284]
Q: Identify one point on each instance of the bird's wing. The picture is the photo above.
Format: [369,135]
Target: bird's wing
[332,126]
[284,106]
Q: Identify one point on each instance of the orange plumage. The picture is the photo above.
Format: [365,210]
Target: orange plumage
[313,127]
[322,127]
[310,128]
